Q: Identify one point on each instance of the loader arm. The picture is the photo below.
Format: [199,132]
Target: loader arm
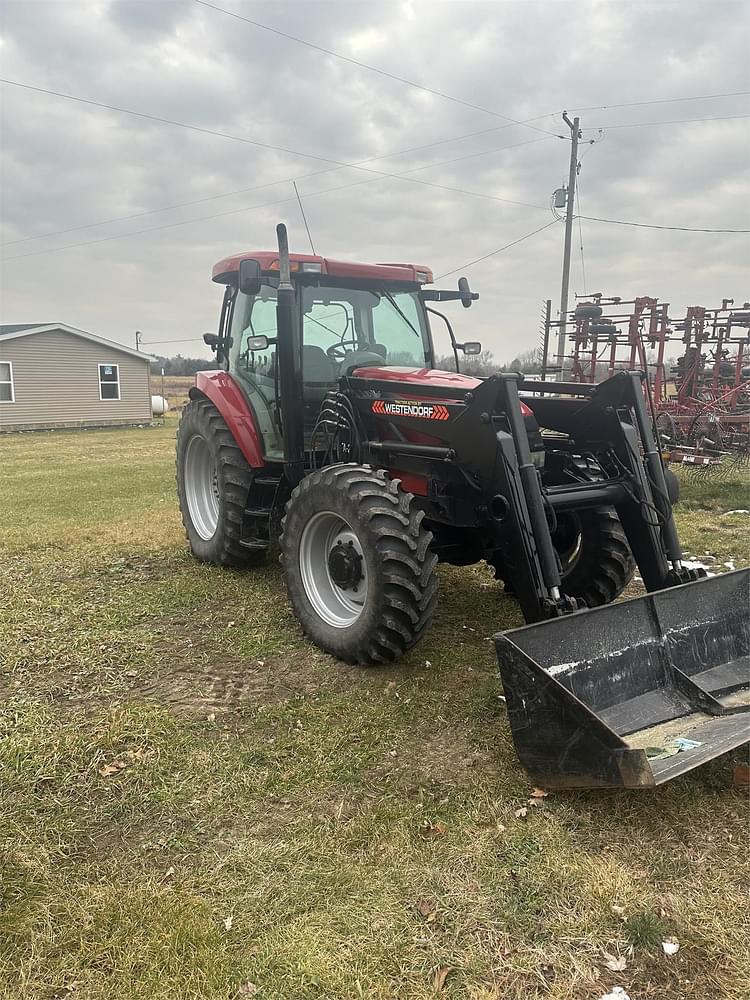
[612,423]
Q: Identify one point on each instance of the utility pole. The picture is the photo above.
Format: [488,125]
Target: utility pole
[570,206]
[138,336]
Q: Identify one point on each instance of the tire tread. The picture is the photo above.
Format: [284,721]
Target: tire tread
[235,477]
[403,551]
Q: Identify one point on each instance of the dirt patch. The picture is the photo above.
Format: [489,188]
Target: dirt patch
[448,757]
[197,689]
[433,761]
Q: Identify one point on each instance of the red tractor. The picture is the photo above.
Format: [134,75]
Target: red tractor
[328,433]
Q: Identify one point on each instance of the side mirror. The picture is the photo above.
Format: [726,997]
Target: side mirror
[215,342]
[472,347]
[466,294]
[249,278]
[257,343]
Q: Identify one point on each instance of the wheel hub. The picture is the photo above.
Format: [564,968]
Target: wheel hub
[333,569]
[345,565]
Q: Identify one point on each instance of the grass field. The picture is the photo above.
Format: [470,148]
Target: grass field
[195,803]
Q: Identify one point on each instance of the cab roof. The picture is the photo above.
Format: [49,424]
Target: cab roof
[224,271]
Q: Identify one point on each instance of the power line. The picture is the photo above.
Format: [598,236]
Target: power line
[493,253]
[648,225]
[286,180]
[339,164]
[665,100]
[154,343]
[285,149]
[283,201]
[371,69]
[527,123]
[225,135]
[171,121]
[196,128]
[675,121]
[342,187]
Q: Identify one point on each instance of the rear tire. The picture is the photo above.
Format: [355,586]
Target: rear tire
[213,483]
[359,570]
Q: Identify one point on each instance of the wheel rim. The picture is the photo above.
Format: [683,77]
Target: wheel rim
[567,540]
[201,487]
[326,533]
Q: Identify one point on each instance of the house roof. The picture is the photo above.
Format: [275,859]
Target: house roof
[14,331]
[17,327]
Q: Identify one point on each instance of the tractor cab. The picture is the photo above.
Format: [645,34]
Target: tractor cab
[346,316]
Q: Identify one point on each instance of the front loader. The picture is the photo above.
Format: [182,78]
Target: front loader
[328,433]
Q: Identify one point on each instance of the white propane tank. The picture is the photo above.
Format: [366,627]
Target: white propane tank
[159,406]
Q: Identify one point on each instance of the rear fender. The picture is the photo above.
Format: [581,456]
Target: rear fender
[221,389]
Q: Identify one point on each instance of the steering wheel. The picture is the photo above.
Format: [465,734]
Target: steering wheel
[337,352]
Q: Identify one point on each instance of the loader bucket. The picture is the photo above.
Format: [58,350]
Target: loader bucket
[632,694]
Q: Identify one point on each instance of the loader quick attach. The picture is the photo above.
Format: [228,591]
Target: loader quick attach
[330,435]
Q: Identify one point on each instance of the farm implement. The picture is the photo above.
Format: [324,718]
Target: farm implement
[328,434]
[702,403]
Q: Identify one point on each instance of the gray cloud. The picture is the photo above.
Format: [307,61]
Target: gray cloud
[66,165]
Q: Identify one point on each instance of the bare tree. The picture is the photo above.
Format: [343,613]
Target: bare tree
[478,365]
[526,362]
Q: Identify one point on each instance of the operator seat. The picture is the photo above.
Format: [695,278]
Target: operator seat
[374,355]
[318,374]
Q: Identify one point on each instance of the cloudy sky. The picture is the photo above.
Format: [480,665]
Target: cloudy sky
[111,222]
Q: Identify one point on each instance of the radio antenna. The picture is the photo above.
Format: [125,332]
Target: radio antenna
[304,217]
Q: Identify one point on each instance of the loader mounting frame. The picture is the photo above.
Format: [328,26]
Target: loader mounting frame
[483,435]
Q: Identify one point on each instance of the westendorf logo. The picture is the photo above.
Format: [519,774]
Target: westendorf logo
[409,408]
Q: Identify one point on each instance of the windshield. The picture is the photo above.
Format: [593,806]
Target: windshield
[387,322]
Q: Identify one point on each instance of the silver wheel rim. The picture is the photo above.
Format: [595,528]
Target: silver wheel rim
[337,606]
[201,487]
[570,555]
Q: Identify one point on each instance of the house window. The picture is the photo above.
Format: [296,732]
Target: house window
[109,381]
[7,393]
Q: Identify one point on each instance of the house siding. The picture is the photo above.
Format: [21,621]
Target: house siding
[56,383]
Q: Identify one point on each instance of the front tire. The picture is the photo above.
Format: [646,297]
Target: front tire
[596,564]
[595,559]
[359,570]
[213,483]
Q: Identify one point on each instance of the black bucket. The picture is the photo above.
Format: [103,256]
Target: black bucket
[632,694]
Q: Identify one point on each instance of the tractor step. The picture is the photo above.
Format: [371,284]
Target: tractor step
[632,694]
[259,511]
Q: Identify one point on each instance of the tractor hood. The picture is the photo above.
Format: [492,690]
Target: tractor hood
[424,376]
[419,376]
